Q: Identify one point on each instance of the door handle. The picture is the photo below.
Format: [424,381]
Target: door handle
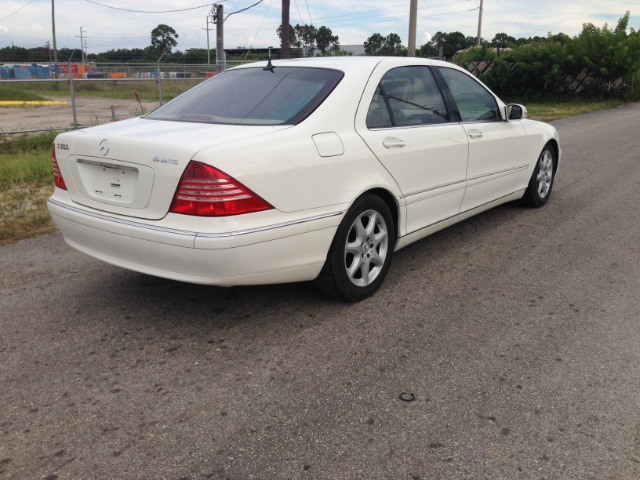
[473,133]
[393,143]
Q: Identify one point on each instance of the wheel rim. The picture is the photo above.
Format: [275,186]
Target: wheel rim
[366,248]
[545,173]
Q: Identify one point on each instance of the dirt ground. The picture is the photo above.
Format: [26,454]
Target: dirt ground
[89,111]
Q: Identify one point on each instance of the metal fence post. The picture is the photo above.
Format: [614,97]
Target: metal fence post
[159,79]
[73,97]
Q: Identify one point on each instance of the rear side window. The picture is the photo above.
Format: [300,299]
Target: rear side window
[475,103]
[407,96]
[253,96]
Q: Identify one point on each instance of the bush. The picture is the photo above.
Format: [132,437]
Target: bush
[600,62]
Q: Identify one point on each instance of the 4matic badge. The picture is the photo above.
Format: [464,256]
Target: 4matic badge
[170,161]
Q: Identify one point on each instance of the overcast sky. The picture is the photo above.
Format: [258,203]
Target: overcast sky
[27,23]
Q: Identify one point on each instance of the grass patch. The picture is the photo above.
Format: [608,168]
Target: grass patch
[25,184]
[16,94]
[116,89]
[26,143]
[548,111]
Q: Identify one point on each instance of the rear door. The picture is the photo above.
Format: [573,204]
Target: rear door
[408,128]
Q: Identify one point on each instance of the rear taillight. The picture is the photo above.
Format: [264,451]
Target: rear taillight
[206,191]
[57,176]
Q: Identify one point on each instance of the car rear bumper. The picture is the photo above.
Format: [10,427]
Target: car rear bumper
[291,251]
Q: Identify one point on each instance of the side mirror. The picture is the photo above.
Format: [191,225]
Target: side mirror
[516,111]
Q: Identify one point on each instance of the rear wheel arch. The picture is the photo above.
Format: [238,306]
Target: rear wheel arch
[361,251]
[389,199]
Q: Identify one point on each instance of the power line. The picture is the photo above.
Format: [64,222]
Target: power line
[310,19]
[147,11]
[243,9]
[298,8]
[338,23]
[364,12]
[486,13]
[12,14]
[356,18]
[259,26]
[514,18]
[374,13]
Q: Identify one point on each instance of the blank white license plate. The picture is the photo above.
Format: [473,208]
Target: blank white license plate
[112,183]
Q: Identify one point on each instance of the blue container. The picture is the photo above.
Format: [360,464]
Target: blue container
[96,75]
[147,74]
[21,73]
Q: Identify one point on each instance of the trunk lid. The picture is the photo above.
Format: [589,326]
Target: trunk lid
[133,167]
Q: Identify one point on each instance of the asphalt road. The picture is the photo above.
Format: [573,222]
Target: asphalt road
[517,333]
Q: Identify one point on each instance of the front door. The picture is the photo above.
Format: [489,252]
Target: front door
[496,168]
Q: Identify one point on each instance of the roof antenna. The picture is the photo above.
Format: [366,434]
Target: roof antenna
[270,67]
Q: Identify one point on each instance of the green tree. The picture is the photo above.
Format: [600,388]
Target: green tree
[393,45]
[307,35]
[376,44]
[293,36]
[428,51]
[196,55]
[609,54]
[310,38]
[373,45]
[451,42]
[163,39]
[597,62]
[326,40]
[501,41]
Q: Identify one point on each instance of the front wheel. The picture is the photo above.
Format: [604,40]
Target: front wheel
[361,251]
[541,182]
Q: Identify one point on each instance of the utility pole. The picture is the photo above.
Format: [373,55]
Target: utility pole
[413,20]
[284,53]
[479,25]
[82,46]
[208,48]
[55,44]
[218,19]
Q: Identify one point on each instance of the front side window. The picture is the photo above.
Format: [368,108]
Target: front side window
[475,103]
[407,96]
[253,96]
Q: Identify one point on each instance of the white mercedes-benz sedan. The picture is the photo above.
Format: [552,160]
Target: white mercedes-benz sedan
[298,170]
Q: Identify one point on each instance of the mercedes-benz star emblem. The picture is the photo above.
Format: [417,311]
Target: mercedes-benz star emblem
[104,146]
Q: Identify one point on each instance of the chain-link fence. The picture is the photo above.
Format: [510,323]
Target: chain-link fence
[106,93]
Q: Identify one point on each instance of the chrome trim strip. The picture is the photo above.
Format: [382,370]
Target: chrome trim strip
[444,185]
[269,227]
[174,231]
[470,179]
[498,172]
[122,221]
[462,212]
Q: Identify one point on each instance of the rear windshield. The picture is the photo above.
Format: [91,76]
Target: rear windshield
[253,96]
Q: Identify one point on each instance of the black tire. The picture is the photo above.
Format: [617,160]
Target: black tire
[361,251]
[541,182]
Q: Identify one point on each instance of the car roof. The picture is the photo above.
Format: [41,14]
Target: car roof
[348,64]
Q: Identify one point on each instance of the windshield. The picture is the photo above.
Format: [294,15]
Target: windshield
[253,96]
